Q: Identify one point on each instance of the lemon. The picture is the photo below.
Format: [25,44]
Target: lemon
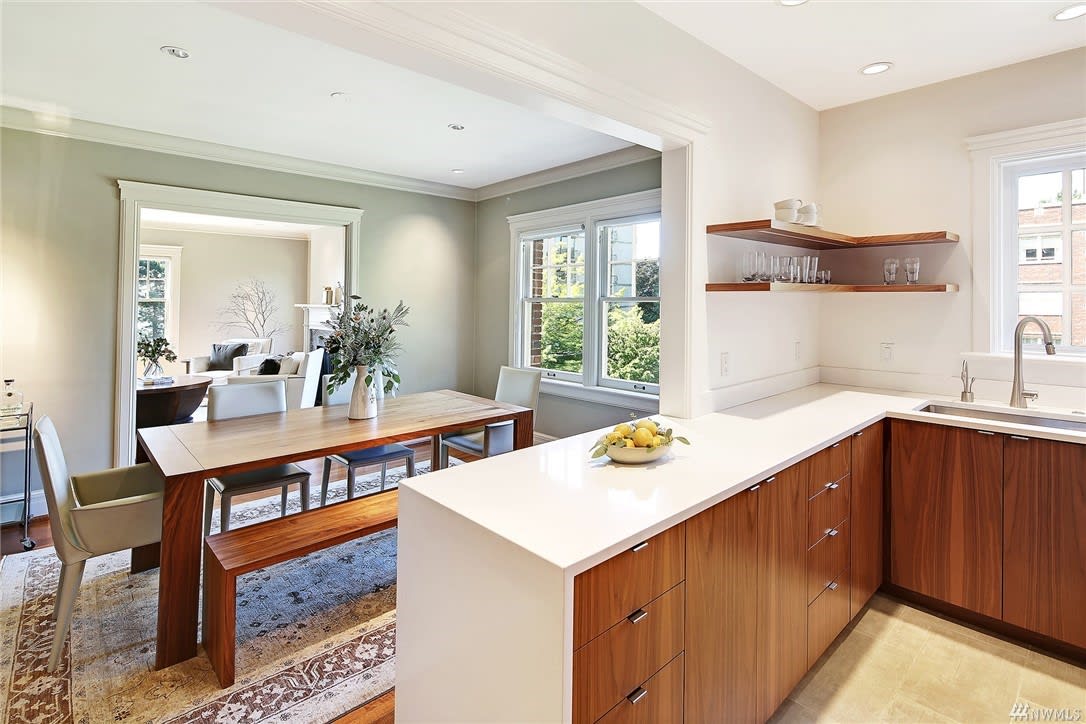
[657,441]
[647,425]
[629,442]
[642,437]
[614,436]
[624,429]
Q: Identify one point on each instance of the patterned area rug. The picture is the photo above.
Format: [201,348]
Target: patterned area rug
[316,637]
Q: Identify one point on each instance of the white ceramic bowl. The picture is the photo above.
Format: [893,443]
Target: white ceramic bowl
[811,208]
[637,455]
[788,204]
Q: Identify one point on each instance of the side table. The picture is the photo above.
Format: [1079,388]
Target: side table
[22,420]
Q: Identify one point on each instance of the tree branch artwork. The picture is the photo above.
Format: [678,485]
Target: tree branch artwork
[253,307]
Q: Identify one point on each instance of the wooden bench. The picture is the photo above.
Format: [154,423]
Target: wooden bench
[233,553]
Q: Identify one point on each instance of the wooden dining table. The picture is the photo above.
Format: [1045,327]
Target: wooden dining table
[188,454]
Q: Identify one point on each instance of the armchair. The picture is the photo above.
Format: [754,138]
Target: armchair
[301,385]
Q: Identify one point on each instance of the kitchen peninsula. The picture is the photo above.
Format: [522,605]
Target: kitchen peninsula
[504,604]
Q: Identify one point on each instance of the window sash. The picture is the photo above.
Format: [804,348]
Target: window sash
[1013,253]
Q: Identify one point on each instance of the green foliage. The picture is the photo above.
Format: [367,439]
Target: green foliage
[633,345]
[362,336]
[563,336]
[150,349]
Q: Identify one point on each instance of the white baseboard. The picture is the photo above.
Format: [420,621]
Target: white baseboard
[12,512]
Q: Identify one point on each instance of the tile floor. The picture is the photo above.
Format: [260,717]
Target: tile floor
[896,663]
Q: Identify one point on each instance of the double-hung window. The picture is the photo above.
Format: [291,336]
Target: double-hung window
[158,298]
[1044,250]
[586,295]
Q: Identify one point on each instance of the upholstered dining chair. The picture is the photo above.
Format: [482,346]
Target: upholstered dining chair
[90,515]
[515,386]
[228,401]
[383,454]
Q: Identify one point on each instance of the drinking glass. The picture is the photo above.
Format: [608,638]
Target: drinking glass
[784,268]
[764,273]
[889,270]
[812,271]
[795,274]
[912,270]
[749,267]
[824,276]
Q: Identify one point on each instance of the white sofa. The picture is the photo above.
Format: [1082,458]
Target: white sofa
[302,384]
[259,349]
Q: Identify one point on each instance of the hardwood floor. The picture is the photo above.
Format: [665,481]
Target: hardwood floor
[381,710]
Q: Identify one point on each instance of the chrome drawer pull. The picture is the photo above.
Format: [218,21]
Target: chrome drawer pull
[832,532]
[637,615]
[637,695]
[752,488]
[836,444]
[1019,437]
[833,586]
[832,486]
[985,432]
[640,546]
[769,479]
[859,433]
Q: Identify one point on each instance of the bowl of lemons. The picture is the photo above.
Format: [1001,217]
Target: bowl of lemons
[637,442]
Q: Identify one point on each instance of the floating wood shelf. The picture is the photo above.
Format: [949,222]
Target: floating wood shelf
[808,237]
[788,287]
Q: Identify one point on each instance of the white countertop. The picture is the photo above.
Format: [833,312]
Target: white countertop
[574,512]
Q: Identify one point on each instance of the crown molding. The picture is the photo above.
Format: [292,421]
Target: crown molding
[1073,129]
[595,164]
[24,120]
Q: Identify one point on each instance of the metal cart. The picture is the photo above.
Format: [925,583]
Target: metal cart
[22,421]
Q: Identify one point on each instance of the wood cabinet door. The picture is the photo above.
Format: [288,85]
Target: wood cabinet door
[721,603]
[782,586]
[866,516]
[946,514]
[1044,537]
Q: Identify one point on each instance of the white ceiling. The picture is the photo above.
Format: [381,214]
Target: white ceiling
[186,221]
[255,86]
[814,51]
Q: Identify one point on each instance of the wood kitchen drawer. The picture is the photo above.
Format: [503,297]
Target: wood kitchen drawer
[827,559]
[611,591]
[616,662]
[827,509]
[829,466]
[827,617]
[661,702]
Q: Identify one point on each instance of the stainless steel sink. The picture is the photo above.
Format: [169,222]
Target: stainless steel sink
[1017,419]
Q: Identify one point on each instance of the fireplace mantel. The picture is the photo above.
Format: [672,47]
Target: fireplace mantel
[314,317]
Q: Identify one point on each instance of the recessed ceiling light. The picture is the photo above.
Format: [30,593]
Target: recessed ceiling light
[458,170]
[1071,12]
[340,97]
[875,68]
[456,126]
[791,3]
[174,51]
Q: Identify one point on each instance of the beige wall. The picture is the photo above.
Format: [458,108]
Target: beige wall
[898,164]
[212,266]
[59,227]
[556,416]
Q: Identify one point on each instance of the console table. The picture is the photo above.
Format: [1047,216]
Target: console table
[22,421]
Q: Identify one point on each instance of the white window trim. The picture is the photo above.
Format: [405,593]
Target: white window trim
[991,154]
[173,287]
[1008,284]
[589,214]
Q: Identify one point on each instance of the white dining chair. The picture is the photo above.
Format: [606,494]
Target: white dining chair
[90,515]
[229,401]
[516,387]
[379,454]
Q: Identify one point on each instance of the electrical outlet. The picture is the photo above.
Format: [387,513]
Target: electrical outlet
[797,350]
[723,364]
[886,351]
